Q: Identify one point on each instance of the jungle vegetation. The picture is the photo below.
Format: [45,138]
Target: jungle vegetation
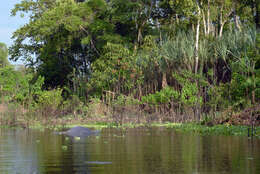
[134,60]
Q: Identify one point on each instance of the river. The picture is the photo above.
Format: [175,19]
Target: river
[126,151]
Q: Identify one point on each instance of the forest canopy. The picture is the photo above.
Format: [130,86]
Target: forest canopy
[166,54]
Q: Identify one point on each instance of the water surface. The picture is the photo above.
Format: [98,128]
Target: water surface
[128,151]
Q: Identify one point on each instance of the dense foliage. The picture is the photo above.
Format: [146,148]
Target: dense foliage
[178,58]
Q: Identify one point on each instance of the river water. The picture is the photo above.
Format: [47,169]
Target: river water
[127,151]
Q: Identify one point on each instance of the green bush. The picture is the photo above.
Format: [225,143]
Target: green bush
[48,102]
[123,100]
[166,95]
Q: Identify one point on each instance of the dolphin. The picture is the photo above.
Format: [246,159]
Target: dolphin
[79,131]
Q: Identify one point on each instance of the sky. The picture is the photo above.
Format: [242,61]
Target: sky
[9,24]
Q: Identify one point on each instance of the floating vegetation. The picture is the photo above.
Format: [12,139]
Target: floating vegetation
[77,138]
[216,129]
[64,147]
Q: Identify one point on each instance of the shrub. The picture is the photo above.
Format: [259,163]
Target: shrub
[48,102]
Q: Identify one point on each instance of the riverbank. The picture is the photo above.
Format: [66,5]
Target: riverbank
[197,128]
[100,116]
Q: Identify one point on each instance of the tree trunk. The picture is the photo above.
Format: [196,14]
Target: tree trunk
[159,29]
[197,107]
[177,18]
[237,23]
[139,37]
[164,80]
[208,22]
[220,25]
[135,47]
[197,40]
[221,29]
[204,23]
[254,83]
[236,18]
[222,21]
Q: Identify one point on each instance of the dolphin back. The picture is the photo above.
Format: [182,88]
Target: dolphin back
[79,131]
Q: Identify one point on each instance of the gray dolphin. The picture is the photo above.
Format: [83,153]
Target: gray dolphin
[79,131]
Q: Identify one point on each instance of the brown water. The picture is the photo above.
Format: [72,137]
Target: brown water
[130,151]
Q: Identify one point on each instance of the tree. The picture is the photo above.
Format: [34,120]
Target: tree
[63,36]
[132,18]
[3,55]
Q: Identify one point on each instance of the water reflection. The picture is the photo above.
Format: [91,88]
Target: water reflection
[15,154]
[117,151]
